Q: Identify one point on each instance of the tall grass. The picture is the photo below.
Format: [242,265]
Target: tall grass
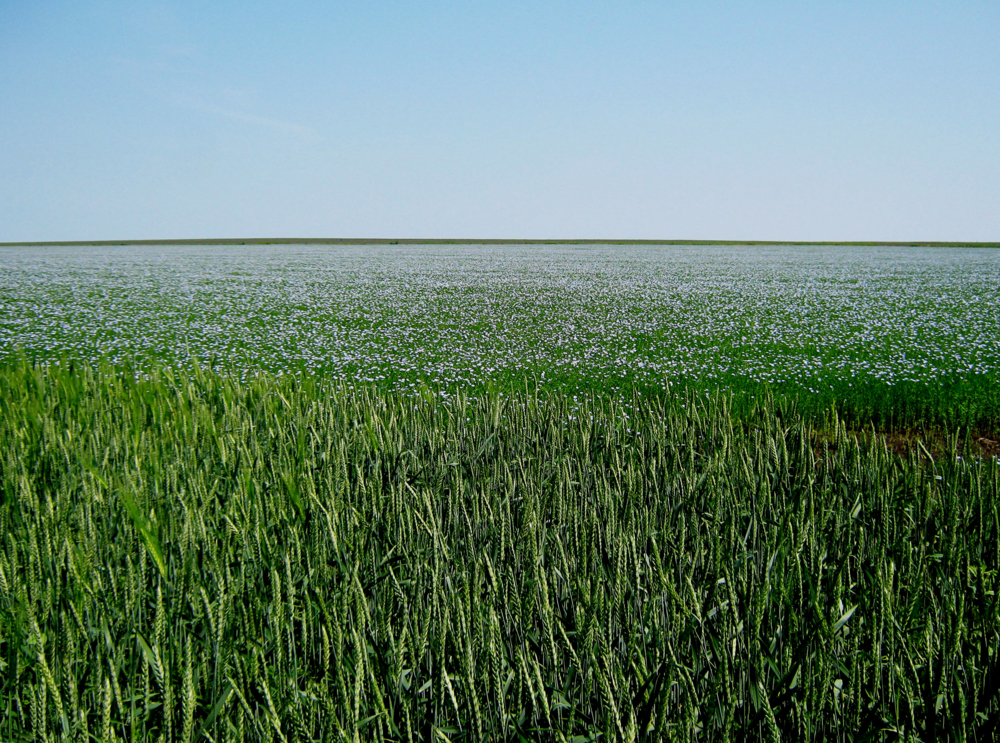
[186,557]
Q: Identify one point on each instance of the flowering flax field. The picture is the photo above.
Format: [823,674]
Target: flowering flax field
[531,494]
[901,334]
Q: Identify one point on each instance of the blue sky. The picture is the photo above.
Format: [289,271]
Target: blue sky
[789,121]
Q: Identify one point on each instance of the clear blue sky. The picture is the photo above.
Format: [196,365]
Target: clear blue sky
[824,121]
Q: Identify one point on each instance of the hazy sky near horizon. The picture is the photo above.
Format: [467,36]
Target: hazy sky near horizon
[708,120]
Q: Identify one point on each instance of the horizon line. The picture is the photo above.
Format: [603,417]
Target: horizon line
[486,241]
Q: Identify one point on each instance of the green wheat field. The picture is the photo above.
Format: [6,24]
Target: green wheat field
[526,493]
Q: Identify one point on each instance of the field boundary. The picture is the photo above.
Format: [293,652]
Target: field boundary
[481,241]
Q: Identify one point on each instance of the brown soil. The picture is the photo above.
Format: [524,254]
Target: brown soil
[901,443]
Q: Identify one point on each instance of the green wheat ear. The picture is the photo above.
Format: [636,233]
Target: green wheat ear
[141,522]
[146,529]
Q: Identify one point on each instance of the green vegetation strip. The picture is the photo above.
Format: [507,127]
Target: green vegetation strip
[189,557]
[477,241]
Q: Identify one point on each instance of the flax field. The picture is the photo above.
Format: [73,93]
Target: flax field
[895,336]
[187,556]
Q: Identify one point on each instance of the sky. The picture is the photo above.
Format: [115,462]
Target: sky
[626,120]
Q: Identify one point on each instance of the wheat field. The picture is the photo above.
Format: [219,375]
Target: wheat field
[189,557]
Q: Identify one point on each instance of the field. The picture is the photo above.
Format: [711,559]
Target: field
[899,335]
[413,494]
